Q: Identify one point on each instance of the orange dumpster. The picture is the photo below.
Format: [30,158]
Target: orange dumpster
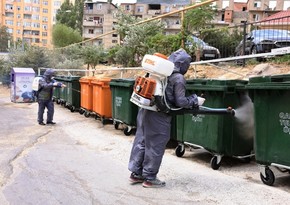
[102,104]
[86,95]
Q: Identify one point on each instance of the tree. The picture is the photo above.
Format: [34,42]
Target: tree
[199,18]
[67,15]
[5,37]
[79,8]
[165,44]
[63,36]
[71,15]
[93,55]
[33,57]
[134,38]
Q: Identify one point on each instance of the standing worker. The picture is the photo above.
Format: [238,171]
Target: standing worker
[45,92]
[153,128]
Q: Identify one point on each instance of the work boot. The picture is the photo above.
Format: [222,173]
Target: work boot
[136,178]
[153,183]
[41,123]
[50,123]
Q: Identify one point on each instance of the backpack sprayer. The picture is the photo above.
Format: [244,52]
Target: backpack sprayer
[151,88]
[149,91]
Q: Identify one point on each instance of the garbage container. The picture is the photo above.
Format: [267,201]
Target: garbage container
[221,135]
[102,103]
[123,111]
[86,95]
[270,95]
[70,95]
[21,84]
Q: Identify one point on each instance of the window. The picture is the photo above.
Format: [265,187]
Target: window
[44,26]
[140,9]
[272,5]
[35,9]
[27,16]
[257,4]
[99,6]
[44,41]
[35,1]
[26,24]
[286,5]
[27,8]
[9,22]
[35,17]
[127,7]
[256,17]
[91,31]
[35,25]
[10,30]
[44,33]
[225,4]
[57,3]
[114,41]
[167,8]
[45,3]
[9,6]
[114,35]
[44,19]
[45,11]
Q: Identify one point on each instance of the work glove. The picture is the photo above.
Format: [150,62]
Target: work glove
[200,101]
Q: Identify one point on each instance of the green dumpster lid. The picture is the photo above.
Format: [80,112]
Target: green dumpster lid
[270,79]
[67,78]
[122,82]
[214,84]
[276,82]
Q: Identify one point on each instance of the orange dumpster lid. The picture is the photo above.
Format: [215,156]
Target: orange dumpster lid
[102,81]
[87,79]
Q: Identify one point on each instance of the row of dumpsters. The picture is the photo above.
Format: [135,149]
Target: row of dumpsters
[259,129]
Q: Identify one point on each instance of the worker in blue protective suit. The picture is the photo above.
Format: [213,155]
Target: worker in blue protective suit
[45,92]
[153,128]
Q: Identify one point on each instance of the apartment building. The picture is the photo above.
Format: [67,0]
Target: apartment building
[30,21]
[99,18]
[146,9]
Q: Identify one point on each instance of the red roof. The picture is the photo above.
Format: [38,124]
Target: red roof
[280,16]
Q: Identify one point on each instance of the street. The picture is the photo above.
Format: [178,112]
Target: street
[80,161]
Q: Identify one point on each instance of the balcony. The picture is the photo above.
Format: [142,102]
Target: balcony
[92,23]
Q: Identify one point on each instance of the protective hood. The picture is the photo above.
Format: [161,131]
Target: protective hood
[181,61]
[49,73]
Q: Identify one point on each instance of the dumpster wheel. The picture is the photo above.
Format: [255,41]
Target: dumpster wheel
[116,125]
[215,165]
[269,177]
[82,111]
[179,150]
[87,114]
[72,108]
[128,131]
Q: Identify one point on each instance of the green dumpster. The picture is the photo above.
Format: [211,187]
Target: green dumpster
[69,96]
[270,95]
[221,135]
[56,95]
[123,111]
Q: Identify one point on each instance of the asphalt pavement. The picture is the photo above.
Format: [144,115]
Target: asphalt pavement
[80,161]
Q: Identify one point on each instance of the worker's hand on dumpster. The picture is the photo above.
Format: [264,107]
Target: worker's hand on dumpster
[63,85]
[200,100]
[55,83]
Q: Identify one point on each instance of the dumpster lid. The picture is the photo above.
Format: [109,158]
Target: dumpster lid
[23,70]
[270,79]
[125,82]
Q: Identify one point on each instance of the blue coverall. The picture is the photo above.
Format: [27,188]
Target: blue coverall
[153,128]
